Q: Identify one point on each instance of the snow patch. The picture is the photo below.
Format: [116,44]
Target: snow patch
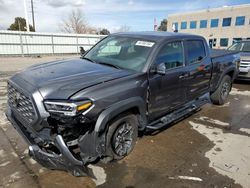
[14,154]
[15,176]
[41,170]
[245,130]
[4,164]
[233,158]
[247,106]
[32,161]
[235,91]
[186,178]
[2,153]
[99,173]
[213,121]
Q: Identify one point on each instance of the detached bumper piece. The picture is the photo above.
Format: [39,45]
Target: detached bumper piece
[64,161]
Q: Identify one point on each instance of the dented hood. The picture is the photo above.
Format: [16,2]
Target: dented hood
[61,79]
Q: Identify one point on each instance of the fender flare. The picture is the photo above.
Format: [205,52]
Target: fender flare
[117,109]
[225,73]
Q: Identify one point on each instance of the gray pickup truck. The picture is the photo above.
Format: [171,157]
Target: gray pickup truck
[74,112]
[243,48]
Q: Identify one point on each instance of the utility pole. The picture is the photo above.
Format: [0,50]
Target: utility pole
[33,17]
[26,16]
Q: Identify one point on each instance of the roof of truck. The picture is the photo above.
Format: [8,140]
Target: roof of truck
[156,36]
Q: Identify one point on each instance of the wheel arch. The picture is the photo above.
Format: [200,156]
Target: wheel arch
[136,105]
[230,72]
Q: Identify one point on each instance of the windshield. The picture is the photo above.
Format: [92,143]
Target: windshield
[240,47]
[121,52]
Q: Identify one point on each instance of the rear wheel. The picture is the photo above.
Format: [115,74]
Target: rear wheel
[220,95]
[121,137]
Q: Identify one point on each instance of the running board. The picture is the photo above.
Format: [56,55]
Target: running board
[177,114]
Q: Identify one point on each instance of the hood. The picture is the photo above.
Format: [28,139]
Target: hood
[61,79]
[245,56]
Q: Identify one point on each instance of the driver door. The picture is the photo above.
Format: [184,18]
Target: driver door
[166,91]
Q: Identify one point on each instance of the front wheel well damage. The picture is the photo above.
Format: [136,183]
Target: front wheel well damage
[133,110]
[230,73]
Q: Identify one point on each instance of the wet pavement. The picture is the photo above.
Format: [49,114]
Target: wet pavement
[210,148]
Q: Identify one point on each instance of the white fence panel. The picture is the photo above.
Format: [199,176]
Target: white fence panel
[33,43]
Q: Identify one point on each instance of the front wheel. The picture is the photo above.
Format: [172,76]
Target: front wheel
[121,137]
[220,95]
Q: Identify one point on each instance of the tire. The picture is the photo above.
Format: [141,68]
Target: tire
[220,95]
[121,137]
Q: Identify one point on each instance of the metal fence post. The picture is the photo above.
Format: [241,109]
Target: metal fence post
[77,46]
[53,48]
[21,43]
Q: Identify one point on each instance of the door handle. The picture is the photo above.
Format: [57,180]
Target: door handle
[183,76]
[203,67]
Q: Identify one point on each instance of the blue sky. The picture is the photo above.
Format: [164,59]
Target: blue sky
[137,14]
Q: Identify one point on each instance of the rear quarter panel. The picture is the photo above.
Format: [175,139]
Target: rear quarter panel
[223,65]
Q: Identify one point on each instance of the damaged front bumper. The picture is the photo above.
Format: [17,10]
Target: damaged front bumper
[62,161]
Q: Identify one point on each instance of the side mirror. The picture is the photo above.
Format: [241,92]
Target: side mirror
[161,69]
[83,51]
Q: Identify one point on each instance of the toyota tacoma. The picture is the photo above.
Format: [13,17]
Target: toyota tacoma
[75,112]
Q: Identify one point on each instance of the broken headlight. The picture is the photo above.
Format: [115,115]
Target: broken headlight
[67,108]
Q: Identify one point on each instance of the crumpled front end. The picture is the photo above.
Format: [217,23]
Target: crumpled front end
[56,142]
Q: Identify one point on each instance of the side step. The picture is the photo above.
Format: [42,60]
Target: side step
[177,114]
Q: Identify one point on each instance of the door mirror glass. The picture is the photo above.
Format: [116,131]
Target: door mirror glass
[161,69]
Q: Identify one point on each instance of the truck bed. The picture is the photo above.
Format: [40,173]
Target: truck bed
[220,52]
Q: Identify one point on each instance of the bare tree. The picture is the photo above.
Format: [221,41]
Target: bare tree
[76,23]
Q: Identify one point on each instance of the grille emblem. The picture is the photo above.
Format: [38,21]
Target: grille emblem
[16,99]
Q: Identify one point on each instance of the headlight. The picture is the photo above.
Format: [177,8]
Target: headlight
[67,108]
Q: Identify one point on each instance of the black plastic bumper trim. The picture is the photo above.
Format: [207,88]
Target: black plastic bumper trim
[64,161]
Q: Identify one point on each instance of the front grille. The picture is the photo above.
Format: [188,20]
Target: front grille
[21,104]
[244,64]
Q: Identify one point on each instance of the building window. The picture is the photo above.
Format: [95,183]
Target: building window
[226,22]
[212,43]
[236,40]
[193,25]
[183,25]
[240,20]
[203,24]
[175,26]
[214,23]
[224,42]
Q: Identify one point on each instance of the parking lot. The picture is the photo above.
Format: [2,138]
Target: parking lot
[211,148]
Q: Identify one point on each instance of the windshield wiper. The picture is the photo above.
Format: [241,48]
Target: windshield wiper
[88,59]
[103,63]
[111,65]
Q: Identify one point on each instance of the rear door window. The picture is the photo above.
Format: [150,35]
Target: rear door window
[195,51]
